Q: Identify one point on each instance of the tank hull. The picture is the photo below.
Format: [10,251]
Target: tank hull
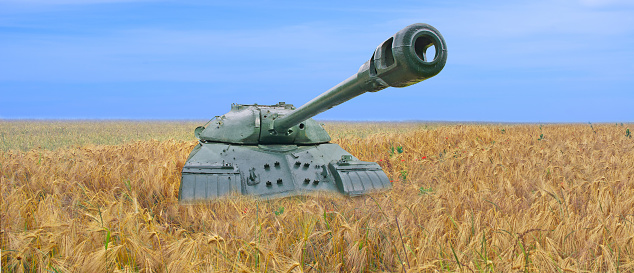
[214,170]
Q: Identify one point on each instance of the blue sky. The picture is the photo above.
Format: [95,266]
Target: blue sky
[508,61]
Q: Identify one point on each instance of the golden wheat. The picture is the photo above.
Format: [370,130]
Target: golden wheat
[466,198]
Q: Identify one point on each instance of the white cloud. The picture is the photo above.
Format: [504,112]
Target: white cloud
[68,2]
[191,55]
[605,3]
[562,34]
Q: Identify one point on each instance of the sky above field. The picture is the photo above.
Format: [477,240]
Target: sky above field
[508,61]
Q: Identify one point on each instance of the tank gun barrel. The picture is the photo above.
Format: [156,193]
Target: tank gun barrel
[399,61]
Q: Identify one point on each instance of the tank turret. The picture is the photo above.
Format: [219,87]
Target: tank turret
[278,150]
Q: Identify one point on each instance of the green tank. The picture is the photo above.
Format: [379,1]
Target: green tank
[278,150]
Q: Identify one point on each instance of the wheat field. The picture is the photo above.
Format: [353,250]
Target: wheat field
[102,197]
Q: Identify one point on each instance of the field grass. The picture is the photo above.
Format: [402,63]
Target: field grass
[102,196]
[54,134]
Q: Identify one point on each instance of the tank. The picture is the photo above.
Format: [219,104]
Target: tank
[274,151]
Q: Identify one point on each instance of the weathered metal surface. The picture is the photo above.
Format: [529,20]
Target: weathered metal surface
[277,150]
[276,171]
